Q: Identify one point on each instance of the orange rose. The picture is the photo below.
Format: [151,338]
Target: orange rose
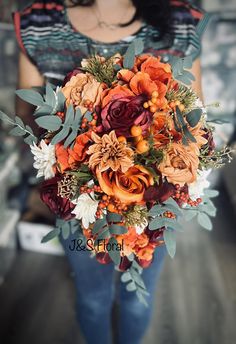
[68,158]
[128,187]
[81,88]
[118,91]
[142,83]
[180,163]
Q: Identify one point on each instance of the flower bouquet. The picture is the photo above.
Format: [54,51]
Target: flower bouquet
[125,148]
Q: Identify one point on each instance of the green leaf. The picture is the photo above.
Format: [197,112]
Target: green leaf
[189,214]
[173,224]
[129,57]
[141,298]
[19,121]
[69,117]
[17,131]
[65,230]
[211,193]
[5,118]
[71,138]
[60,136]
[52,123]
[60,101]
[204,221]
[156,223]
[30,96]
[188,135]
[30,140]
[138,46]
[113,253]
[98,225]
[193,117]
[50,96]
[88,116]
[116,229]
[113,217]
[156,210]
[180,117]
[170,242]
[131,286]
[126,276]
[51,235]
[43,110]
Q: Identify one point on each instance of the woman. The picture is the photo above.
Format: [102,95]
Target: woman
[54,37]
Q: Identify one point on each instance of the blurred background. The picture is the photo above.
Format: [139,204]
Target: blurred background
[196,298]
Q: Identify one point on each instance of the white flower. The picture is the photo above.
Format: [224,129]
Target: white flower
[196,189]
[140,228]
[44,159]
[85,210]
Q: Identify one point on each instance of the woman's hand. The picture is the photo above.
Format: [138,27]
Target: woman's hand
[197,84]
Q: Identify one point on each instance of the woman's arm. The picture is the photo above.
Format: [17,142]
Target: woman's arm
[28,76]
[197,84]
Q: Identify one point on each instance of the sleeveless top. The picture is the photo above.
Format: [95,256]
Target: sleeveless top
[46,35]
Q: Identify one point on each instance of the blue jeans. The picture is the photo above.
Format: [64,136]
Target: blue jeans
[95,292]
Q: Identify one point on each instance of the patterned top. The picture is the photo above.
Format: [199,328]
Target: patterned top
[46,35]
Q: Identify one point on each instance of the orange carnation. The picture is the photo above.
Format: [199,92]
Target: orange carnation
[180,163]
[128,187]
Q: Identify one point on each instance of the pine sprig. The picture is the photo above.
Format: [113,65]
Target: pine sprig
[102,71]
[20,129]
[184,94]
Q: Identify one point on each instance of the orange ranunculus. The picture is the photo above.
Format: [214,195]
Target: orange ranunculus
[139,60]
[62,157]
[146,252]
[163,128]
[158,71]
[128,187]
[180,163]
[78,152]
[118,91]
[68,158]
[125,75]
[142,83]
[81,88]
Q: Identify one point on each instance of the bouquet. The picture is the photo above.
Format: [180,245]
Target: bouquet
[124,150]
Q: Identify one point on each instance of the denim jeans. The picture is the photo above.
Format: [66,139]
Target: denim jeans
[95,294]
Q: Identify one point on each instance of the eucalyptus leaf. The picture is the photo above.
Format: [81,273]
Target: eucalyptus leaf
[65,230]
[170,241]
[43,110]
[60,136]
[51,235]
[30,140]
[99,224]
[156,223]
[114,254]
[113,217]
[189,214]
[204,221]
[88,116]
[71,138]
[30,96]
[193,117]
[131,286]
[116,229]
[129,57]
[17,131]
[126,276]
[50,98]
[52,123]
[211,193]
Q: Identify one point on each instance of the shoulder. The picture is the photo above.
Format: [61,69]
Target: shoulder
[185,13]
[34,24]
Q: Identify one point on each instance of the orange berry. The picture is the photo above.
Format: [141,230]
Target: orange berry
[154,100]
[145,105]
[155,94]
[122,139]
[138,138]
[104,197]
[172,104]
[136,130]
[177,103]
[142,146]
[181,107]
[111,207]
[153,108]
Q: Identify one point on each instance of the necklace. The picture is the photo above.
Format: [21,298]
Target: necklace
[102,24]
